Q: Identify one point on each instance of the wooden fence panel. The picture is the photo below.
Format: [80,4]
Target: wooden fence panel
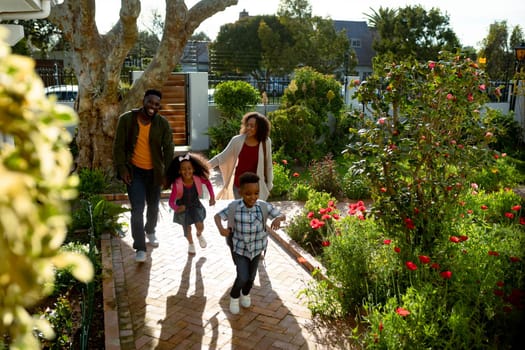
[174,107]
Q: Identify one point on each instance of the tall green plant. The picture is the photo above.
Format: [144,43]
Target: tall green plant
[35,189]
[422,134]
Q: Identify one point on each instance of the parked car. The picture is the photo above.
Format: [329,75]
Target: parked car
[63,93]
[210,95]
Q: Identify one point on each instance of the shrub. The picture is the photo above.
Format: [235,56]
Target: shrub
[234,98]
[324,176]
[355,185]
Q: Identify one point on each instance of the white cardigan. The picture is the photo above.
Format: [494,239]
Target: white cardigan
[227,162]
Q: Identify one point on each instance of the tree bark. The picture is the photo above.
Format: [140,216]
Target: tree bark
[98,60]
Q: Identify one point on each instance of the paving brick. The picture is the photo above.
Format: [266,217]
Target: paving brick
[179,301]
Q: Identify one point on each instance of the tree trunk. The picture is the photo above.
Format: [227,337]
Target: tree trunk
[98,61]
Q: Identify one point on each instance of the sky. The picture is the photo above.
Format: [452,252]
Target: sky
[470,20]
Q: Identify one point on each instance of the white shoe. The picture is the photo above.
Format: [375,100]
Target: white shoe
[191,248]
[234,306]
[246,301]
[140,256]
[202,241]
[152,239]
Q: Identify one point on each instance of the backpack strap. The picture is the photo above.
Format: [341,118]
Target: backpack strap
[233,206]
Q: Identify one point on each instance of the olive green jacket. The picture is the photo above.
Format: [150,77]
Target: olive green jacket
[160,142]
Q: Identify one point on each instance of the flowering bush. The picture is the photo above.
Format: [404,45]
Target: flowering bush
[436,262]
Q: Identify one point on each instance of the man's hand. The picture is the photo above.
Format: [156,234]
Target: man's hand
[126,178]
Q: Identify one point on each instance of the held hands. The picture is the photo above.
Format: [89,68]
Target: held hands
[276,223]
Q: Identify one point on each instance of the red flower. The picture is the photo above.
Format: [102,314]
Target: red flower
[387,241]
[484,207]
[411,266]
[380,326]
[493,253]
[435,266]
[397,249]
[322,211]
[516,207]
[498,292]
[331,204]
[463,238]
[522,221]
[402,312]
[509,215]
[424,259]
[514,259]
[316,223]
[500,284]
[336,216]
[326,217]
[446,275]
[450,96]
[470,98]
[383,189]
[409,224]
[295,175]
[416,211]
[431,65]
[285,162]
[310,215]
[325,243]
[454,239]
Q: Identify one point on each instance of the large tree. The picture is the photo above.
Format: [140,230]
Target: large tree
[98,60]
[412,32]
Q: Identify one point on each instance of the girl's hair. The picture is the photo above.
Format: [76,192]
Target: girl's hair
[263,125]
[198,161]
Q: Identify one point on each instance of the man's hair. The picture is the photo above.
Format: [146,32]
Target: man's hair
[153,92]
[248,178]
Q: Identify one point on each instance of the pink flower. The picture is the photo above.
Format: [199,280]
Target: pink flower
[381,121]
[402,312]
[450,96]
[446,275]
[482,87]
[431,65]
[285,162]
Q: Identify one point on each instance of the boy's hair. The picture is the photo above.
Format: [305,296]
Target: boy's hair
[199,163]
[153,92]
[248,178]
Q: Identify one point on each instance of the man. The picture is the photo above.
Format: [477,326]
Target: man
[142,151]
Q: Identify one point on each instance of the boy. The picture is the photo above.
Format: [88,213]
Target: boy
[249,237]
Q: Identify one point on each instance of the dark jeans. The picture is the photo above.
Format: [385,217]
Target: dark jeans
[142,191]
[246,272]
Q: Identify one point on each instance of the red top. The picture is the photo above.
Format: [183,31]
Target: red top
[248,158]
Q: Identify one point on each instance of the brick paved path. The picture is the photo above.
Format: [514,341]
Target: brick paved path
[179,301]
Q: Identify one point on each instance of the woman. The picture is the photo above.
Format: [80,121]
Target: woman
[251,150]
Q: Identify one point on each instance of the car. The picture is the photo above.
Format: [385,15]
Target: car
[210,95]
[63,93]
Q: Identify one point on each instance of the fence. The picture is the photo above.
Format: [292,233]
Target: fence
[274,87]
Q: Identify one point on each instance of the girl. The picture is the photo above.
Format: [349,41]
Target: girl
[186,175]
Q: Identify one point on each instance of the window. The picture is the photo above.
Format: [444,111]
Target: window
[356,43]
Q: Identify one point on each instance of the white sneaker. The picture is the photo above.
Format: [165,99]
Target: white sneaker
[234,306]
[140,256]
[246,301]
[152,239]
[202,241]
[191,248]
